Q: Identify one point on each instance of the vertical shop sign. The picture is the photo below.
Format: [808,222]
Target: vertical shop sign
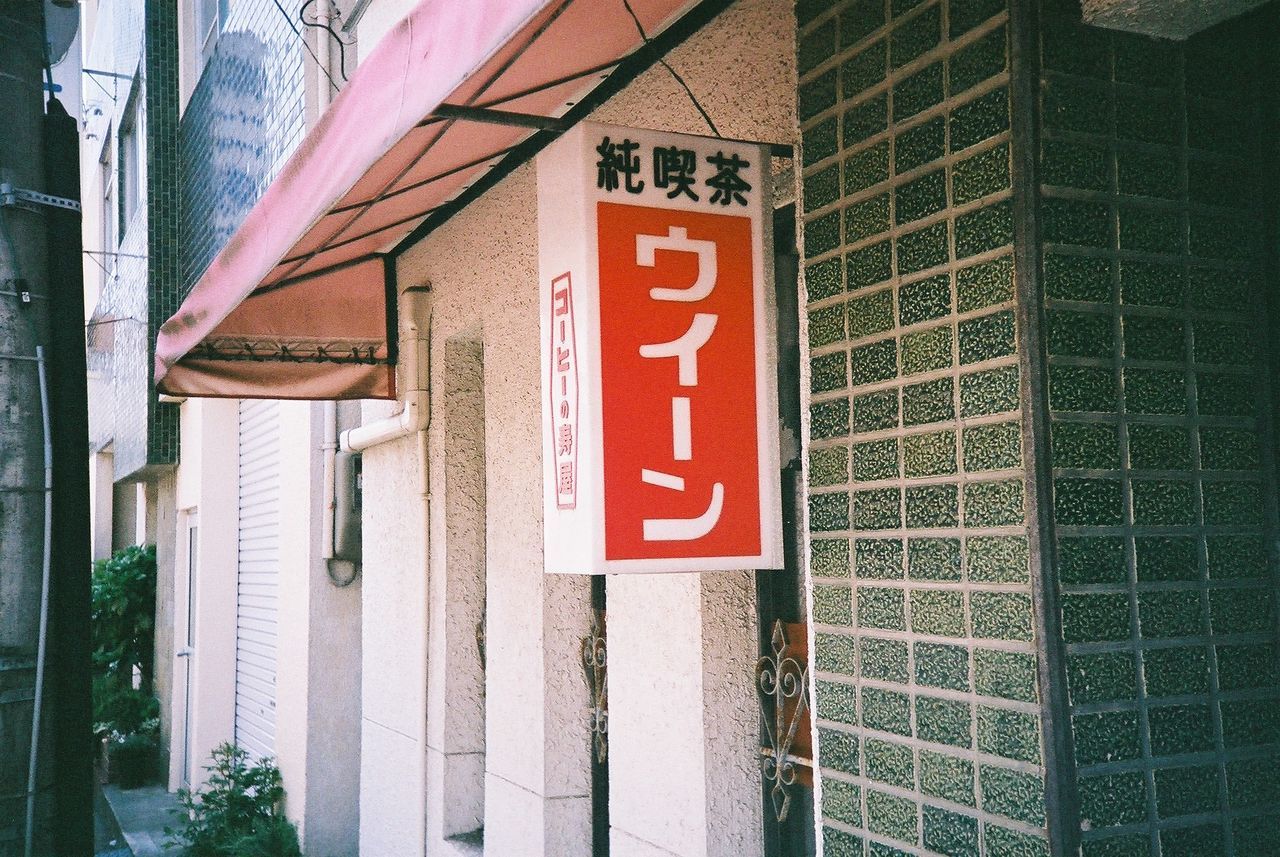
[659,400]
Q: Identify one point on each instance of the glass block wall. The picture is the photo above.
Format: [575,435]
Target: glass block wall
[927,702]
[1152,272]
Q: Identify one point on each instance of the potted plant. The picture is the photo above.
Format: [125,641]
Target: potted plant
[133,759]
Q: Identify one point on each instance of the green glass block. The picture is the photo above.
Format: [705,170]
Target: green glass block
[1162,502]
[938,612]
[865,219]
[828,372]
[1155,391]
[886,711]
[828,512]
[1073,221]
[836,701]
[864,70]
[1097,559]
[981,175]
[944,721]
[1159,447]
[1095,617]
[924,248]
[865,119]
[1080,334]
[819,142]
[1237,557]
[869,265]
[838,750]
[1151,231]
[917,93]
[876,510]
[998,559]
[984,285]
[1217,183]
[967,14]
[1240,611]
[832,605]
[921,197]
[1151,284]
[1079,50]
[1093,446]
[1087,502]
[1153,62]
[980,60]
[834,653]
[932,506]
[1140,173]
[883,660]
[866,168]
[881,607]
[929,454]
[843,802]
[947,832]
[816,46]
[839,843]
[1224,343]
[861,19]
[1073,105]
[809,10]
[1113,799]
[993,504]
[1232,503]
[1174,672]
[829,557]
[1253,782]
[1219,394]
[1077,278]
[822,234]
[1217,237]
[899,8]
[1013,794]
[1246,666]
[828,466]
[826,326]
[1013,843]
[919,145]
[875,460]
[875,411]
[875,362]
[878,559]
[1176,613]
[1001,615]
[1190,841]
[890,762]
[930,402]
[1102,677]
[992,392]
[892,816]
[816,95]
[987,337]
[1067,163]
[916,37]
[942,666]
[1147,116]
[871,314]
[1250,722]
[924,300]
[1212,289]
[1011,734]
[946,777]
[822,280]
[1132,845]
[1257,834]
[980,119]
[1177,729]
[926,350]
[933,559]
[1165,558]
[1110,736]
[984,230]
[822,188]
[1081,389]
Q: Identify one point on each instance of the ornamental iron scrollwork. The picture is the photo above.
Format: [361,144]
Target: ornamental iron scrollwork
[594,662]
[781,684]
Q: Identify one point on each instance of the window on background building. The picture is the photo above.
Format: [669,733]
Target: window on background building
[108,244]
[209,17]
[130,155]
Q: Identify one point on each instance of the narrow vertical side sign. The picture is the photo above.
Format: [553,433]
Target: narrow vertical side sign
[660,399]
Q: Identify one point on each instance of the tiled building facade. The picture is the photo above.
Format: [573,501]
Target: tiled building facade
[1041,496]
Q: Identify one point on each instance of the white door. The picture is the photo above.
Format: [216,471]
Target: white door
[257,576]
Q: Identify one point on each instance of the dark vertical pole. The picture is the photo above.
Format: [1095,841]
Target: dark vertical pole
[69,591]
[599,767]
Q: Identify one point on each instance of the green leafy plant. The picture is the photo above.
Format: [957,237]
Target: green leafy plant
[238,811]
[123,615]
[133,759]
[121,709]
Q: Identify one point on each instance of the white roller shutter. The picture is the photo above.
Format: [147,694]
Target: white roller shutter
[257,576]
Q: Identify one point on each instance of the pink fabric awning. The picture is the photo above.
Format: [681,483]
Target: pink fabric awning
[300,303]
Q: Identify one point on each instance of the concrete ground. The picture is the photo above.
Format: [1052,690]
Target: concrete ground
[141,816]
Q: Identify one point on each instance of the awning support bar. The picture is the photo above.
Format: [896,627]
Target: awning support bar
[500,117]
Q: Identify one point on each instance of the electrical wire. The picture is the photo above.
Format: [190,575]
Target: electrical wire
[680,80]
[342,46]
[303,38]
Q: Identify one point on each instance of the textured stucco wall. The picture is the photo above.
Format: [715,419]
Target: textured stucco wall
[1169,19]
